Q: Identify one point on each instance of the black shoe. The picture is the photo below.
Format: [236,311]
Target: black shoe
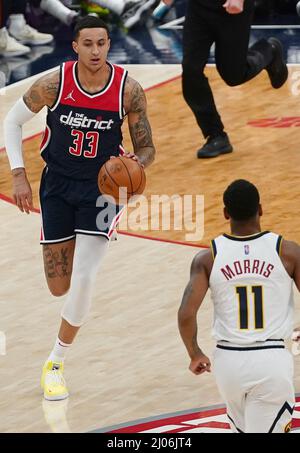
[215,146]
[277,69]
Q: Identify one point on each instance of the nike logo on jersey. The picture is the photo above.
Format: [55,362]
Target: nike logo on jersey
[80,120]
[70,96]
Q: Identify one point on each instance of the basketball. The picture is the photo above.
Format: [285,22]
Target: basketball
[121,178]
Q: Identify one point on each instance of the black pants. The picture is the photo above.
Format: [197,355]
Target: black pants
[8,7]
[207,22]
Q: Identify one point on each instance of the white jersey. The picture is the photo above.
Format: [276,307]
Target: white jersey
[251,290]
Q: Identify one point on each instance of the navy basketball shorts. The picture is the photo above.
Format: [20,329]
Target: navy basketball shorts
[70,207]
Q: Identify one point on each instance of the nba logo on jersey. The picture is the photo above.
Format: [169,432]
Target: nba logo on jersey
[247,249]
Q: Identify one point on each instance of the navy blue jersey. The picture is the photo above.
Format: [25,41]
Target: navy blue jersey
[83,130]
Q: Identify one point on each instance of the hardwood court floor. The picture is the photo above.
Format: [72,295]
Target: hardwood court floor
[128,361]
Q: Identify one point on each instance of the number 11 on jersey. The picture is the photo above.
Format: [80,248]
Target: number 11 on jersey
[243,300]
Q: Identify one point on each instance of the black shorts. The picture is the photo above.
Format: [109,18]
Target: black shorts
[70,207]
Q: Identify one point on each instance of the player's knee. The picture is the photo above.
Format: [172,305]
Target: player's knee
[59,291]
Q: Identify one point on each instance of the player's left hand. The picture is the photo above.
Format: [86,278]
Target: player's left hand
[234,6]
[199,364]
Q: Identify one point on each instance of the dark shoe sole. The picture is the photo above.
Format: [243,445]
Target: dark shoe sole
[276,43]
[208,154]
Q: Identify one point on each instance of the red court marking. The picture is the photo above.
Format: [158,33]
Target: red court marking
[184,422]
[163,83]
[283,122]
[125,233]
[190,244]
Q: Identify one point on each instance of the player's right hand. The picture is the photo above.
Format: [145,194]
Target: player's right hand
[199,364]
[22,192]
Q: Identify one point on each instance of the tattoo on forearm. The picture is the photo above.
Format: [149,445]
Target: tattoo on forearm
[138,99]
[141,137]
[141,133]
[139,127]
[56,263]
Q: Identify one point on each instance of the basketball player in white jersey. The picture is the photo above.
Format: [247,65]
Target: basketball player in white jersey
[250,274]
[87,101]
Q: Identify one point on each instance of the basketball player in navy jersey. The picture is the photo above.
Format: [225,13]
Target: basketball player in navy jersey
[87,101]
[250,274]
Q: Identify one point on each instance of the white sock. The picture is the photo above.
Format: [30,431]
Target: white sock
[16,22]
[58,10]
[116,6]
[59,351]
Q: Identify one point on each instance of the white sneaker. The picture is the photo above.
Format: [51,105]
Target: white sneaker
[133,11]
[29,35]
[9,47]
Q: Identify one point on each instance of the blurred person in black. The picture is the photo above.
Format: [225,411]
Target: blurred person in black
[227,24]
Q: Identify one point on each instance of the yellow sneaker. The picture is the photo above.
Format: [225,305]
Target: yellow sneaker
[53,382]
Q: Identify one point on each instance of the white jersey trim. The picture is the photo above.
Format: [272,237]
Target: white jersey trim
[61,87]
[92,96]
[48,139]
[121,95]
[53,241]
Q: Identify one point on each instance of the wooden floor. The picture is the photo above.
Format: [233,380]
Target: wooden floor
[128,361]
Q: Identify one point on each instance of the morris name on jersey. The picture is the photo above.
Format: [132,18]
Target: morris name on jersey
[248,266]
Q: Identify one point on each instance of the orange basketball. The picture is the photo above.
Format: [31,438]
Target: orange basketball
[121,178]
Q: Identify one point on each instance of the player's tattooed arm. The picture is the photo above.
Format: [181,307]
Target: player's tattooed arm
[139,127]
[43,92]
